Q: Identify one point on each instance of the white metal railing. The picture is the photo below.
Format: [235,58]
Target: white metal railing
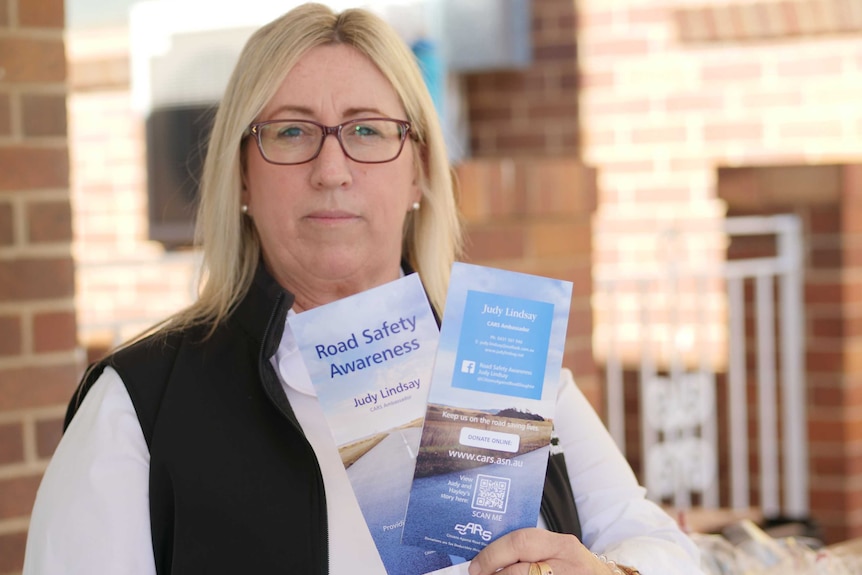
[679,428]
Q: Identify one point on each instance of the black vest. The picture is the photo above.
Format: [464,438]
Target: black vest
[234,485]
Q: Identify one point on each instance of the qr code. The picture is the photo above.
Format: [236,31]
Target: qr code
[491,493]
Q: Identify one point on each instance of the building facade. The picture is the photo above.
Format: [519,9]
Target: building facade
[634,115]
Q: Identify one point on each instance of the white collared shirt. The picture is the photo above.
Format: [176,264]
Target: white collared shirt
[91,515]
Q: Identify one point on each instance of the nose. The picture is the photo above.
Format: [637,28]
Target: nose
[331,167]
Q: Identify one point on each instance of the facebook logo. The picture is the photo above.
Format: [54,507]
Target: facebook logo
[468,366]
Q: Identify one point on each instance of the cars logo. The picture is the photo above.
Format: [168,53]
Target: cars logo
[473,529]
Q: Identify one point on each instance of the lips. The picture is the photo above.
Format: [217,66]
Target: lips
[333,216]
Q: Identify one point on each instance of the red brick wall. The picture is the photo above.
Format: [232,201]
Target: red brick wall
[670,92]
[534,111]
[828,200]
[534,215]
[117,266]
[39,359]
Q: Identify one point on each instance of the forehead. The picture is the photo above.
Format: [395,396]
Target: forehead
[335,80]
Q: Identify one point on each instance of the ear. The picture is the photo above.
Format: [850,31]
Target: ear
[415,193]
[420,170]
[244,196]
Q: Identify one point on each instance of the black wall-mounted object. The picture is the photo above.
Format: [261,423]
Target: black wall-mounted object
[176,147]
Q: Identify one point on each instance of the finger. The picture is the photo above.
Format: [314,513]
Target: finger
[522,546]
[517,569]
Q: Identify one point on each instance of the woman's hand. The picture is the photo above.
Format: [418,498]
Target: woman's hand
[513,553]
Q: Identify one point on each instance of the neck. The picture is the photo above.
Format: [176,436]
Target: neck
[315,292]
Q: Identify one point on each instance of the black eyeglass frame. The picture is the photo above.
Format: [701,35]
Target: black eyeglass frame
[254,130]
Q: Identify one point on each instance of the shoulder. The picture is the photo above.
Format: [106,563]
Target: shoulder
[142,367]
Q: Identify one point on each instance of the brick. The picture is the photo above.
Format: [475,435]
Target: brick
[824,361]
[597,79]
[560,51]
[33,60]
[580,361]
[828,498]
[564,112]
[11,443]
[49,222]
[491,188]
[10,335]
[7,223]
[648,15]
[491,114]
[732,131]
[663,135]
[851,187]
[851,220]
[41,14]
[625,107]
[628,166]
[100,74]
[524,143]
[44,114]
[35,279]
[557,239]
[666,194]
[827,397]
[823,293]
[471,178]
[591,17]
[12,552]
[852,292]
[823,219]
[617,47]
[28,168]
[499,242]
[813,129]
[48,434]
[560,187]
[826,430]
[600,138]
[19,493]
[505,190]
[735,71]
[513,81]
[5,113]
[692,26]
[772,99]
[832,328]
[54,331]
[37,386]
[851,257]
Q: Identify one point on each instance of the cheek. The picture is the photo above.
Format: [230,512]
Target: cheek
[264,181]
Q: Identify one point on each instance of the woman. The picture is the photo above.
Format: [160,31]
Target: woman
[202,448]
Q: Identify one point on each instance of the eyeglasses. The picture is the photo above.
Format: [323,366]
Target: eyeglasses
[366,140]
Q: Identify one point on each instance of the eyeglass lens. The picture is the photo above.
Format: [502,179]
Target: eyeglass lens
[299,141]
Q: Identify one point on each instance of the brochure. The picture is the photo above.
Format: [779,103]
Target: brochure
[370,358]
[485,442]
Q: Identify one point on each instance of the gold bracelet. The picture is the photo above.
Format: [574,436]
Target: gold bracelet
[616,568]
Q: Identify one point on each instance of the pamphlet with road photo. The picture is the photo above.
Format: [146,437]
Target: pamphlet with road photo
[370,358]
[485,443]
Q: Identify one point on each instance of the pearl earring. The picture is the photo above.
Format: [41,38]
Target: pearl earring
[244,208]
[415,206]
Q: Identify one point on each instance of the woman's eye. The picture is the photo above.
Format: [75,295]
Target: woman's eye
[290,132]
[364,130]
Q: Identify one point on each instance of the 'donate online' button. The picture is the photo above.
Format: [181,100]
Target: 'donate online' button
[490,439]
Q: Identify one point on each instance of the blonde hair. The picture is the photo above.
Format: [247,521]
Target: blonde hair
[231,248]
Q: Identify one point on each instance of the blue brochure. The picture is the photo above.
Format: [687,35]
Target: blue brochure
[370,358]
[485,442]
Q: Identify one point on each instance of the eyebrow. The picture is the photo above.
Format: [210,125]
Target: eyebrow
[304,111]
